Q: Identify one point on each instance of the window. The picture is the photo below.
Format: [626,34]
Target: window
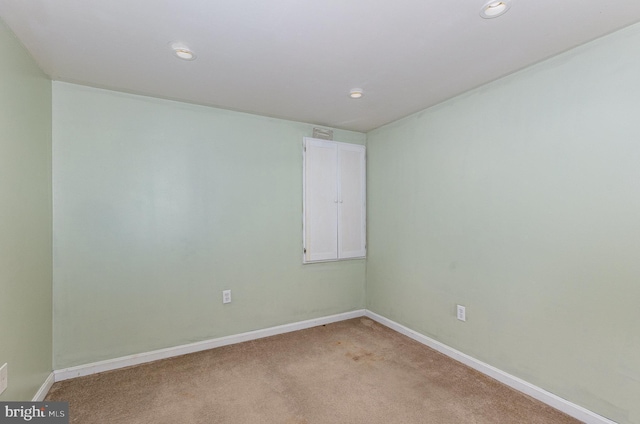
[334,211]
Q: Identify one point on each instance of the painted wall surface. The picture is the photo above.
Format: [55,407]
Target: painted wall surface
[521,201]
[25,220]
[161,205]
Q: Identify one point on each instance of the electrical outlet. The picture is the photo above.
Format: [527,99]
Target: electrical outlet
[3,378]
[226,296]
[461,313]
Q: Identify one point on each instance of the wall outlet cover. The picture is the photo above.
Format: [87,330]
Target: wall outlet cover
[461,313]
[226,296]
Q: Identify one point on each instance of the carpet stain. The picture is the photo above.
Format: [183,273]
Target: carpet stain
[367,322]
[363,355]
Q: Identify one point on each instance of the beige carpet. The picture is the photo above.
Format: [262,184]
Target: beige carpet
[355,371]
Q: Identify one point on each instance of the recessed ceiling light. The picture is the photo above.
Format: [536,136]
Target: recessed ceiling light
[182,52]
[494,8]
[185,54]
[356,93]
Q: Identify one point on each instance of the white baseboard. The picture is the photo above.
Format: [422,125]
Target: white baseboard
[44,389]
[569,408]
[523,386]
[141,358]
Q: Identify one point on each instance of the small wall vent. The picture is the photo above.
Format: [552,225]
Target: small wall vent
[323,134]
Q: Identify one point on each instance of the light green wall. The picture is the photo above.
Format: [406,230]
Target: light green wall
[25,220]
[159,206]
[521,201]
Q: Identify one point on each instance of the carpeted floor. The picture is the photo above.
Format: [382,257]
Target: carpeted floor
[354,371]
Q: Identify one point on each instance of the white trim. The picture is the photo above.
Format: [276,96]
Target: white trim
[44,389]
[569,408]
[141,358]
[514,382]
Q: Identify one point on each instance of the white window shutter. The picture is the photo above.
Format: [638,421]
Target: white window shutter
[351,201]
[334,201]
[321,201]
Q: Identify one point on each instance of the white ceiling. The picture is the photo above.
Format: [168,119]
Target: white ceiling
[298,59]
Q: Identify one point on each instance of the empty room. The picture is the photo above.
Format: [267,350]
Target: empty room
[330,212]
